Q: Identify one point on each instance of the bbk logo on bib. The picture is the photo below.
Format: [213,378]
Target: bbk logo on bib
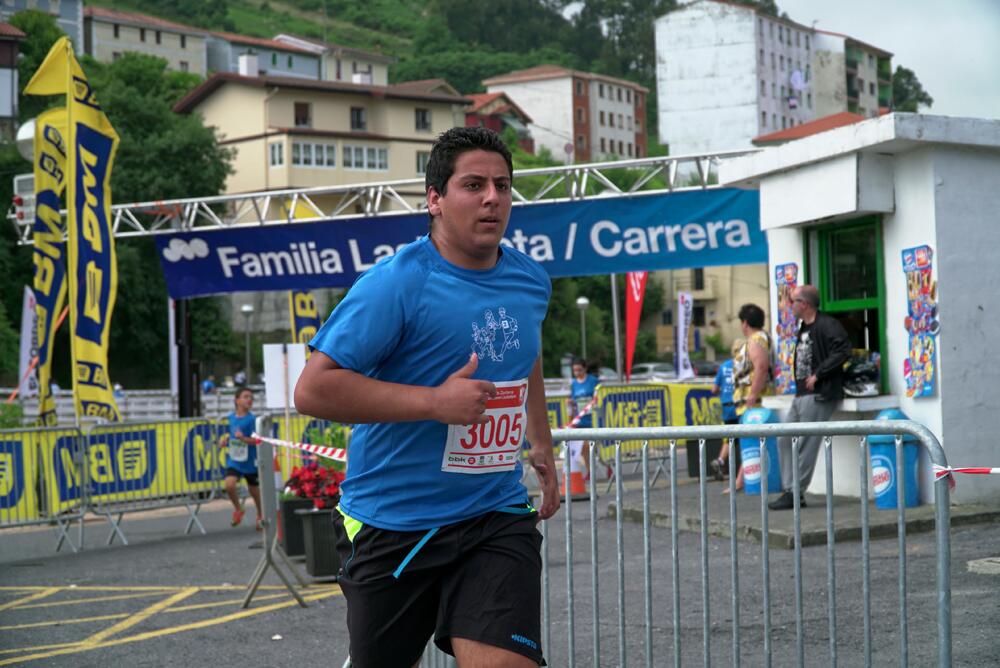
[882,474]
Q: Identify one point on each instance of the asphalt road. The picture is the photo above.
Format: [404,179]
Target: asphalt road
[173,600]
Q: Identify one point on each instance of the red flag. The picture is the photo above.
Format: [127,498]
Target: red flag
[635,290]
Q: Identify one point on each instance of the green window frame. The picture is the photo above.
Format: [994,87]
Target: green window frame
[819,245]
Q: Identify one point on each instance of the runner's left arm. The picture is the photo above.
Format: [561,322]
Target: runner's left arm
[540,436]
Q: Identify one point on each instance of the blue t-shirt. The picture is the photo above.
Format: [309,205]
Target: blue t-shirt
[724,379]
[414,319]
[239,455]
[581,393]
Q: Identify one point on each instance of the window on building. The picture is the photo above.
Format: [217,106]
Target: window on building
[579,114]
[784,122]
[628,96]
[303,115]
[871,87]
[774,89]
[117,31]
[621,148]
[774,61]
[781,34]
[698,279]
[809,100]
[184,66]
[142,34]
[781,63]
[760,26]
[628,149]
[274,60]
[770,30]
[579,87]
[422,120]
[782,92]
[807,42]
[698,316]
[600,90]
[307,155]
[619,94]
[845,264]
[638,100]
[423,157]
[116,55]
[763,119]
[600,118]
[276,151]
[628,120]
[291,62]
[763,88]
[581,143]
[158,37]
[761,56]
[774,121]
[871,60]
[358,121]
[797,42]
[604,145]
[638,124]
[184,41]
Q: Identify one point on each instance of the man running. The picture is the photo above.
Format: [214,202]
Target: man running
[436,531]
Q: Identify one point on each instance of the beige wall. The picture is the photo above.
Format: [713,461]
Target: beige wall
[104,45]
[380,71]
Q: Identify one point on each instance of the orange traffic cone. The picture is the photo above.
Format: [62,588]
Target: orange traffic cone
[577,486]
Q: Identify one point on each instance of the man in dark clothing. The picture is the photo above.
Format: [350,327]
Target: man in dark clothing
[821,349]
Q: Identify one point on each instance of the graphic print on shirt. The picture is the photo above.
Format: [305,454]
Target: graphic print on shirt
[804,356]
[485,340]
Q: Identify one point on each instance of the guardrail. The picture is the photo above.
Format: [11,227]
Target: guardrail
[672,436]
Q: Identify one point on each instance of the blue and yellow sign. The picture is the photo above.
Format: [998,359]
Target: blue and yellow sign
[18,501]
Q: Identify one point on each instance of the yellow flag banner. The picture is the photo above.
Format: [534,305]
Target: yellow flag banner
[301,305]
[91,262]
[50,249]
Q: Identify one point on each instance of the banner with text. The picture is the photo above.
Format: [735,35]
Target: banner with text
[600,236]
[91,264]
[49,249]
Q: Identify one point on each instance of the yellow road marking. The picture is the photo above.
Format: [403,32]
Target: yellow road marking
[60,622]
[106,588]
[17,602]
[140,616]
[230,601]
[76,648]
[39,647]
[96,599]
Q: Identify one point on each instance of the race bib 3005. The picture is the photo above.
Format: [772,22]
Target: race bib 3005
[494,445]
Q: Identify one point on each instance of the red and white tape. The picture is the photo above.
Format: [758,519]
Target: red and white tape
[579,416]
[337,454]
[942,471]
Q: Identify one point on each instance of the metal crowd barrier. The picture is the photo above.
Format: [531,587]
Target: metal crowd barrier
[672,436]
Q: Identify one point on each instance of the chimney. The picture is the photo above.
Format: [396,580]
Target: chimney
[248,65]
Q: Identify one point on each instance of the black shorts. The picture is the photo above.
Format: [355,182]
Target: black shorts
[479,579]
[253,479]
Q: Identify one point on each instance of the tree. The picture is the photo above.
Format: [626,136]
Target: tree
[907,93]
[42,32]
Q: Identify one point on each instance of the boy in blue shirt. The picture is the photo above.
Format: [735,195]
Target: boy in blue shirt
[435,355]
[241,454]
[582,389]
[724,387]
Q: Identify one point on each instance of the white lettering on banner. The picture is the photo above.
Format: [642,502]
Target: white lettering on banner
[300,258]
[381,252]
[494,445]
[537,246]
[608,240]
[570,241]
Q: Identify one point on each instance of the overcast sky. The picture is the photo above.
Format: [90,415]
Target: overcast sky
[953,46]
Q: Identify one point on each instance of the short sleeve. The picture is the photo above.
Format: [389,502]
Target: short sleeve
[367,324]
[720,376]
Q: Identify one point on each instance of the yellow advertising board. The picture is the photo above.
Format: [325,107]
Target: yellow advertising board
[18,477]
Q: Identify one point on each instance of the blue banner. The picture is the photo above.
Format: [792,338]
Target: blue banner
[599,236]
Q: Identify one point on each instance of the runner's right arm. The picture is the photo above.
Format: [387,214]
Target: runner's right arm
[327,390]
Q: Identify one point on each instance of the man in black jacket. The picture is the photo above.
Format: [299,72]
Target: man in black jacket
[821,349]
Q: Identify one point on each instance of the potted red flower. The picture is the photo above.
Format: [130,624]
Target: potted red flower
[311,494]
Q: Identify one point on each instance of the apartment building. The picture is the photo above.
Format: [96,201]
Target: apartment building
[727,73]
[851,75]
[274,58]
[108,33]
[343,63]
[297,133]
[578,116]
[68,15]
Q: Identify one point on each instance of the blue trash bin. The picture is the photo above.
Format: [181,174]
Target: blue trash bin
[885,473]
[750,452]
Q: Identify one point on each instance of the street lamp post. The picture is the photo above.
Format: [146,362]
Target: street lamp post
[247,311]
[582,303]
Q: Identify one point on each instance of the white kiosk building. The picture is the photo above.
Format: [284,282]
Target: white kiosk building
[845,210]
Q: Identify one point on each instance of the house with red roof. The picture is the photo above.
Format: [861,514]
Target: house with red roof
[498,112]
[830,122]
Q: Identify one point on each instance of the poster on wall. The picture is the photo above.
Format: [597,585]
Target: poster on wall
[785,277]
[921,321]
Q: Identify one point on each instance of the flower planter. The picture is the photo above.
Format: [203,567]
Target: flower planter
[292,533]
[320,541]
